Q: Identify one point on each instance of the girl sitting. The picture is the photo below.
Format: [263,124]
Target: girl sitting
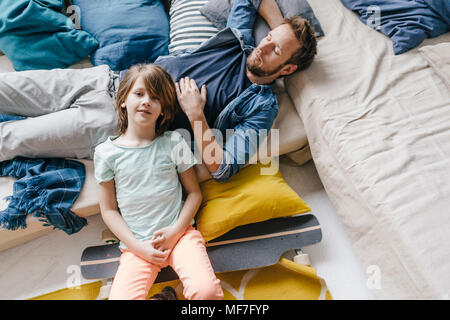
[141,195]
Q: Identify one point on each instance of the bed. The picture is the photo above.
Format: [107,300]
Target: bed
[378,126]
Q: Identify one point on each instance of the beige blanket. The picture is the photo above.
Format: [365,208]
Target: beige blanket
[379,130]
[438,56]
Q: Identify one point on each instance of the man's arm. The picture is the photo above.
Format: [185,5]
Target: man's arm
[270,12]
[211,151]
[223,162]
[243,14]
[240,147]
[192,101]
[244,142]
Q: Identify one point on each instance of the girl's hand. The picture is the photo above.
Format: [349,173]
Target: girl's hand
[148,252]
[191,100]
[166,238]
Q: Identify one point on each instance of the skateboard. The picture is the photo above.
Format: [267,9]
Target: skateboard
[246,247]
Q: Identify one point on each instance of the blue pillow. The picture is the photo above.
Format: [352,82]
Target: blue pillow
[406,22]
[129,32]
[35,35]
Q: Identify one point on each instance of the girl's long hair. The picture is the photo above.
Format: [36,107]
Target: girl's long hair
[158,83]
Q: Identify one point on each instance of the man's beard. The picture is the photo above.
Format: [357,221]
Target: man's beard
[257,71]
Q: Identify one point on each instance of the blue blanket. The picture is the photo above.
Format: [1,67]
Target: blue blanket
[406,22]
[46,188]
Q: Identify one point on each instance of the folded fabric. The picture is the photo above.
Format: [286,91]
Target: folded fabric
[35,35]
[406,22]
[217,12]
[46,188]
[129,32]
[438,56]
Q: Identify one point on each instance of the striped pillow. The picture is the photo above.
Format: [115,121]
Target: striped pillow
[188,27]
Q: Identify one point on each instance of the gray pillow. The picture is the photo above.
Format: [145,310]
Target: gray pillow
[217,12]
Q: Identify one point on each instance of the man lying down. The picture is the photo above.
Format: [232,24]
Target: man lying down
[70,111]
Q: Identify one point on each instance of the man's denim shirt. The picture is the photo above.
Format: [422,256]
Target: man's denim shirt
[254,110]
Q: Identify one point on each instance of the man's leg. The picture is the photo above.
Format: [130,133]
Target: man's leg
[69,133]
[70,111]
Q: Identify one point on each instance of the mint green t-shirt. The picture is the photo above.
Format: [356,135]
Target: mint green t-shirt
[148,191]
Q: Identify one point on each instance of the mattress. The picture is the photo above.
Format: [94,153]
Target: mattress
[378,126]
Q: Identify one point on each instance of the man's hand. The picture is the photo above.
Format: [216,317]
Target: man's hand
[191,100]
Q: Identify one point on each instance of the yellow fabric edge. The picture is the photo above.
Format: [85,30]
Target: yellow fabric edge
[88,291]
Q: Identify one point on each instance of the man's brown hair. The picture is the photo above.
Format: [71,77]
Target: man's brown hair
[307,38]
[158,83]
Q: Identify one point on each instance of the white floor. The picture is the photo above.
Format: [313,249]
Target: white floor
[51,262]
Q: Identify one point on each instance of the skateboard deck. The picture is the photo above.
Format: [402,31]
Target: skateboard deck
[246,247]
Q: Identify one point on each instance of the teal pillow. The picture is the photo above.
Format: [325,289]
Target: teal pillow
[35,35]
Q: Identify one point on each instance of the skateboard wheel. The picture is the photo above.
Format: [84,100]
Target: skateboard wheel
[303,259]
[108,237]
[104,292]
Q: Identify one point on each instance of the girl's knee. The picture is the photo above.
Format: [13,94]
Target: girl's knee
[211,290]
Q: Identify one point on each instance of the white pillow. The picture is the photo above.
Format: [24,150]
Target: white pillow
[188,27]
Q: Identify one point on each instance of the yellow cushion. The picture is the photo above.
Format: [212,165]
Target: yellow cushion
[247,197]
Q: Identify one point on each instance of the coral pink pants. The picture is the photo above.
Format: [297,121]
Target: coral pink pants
[188,259]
